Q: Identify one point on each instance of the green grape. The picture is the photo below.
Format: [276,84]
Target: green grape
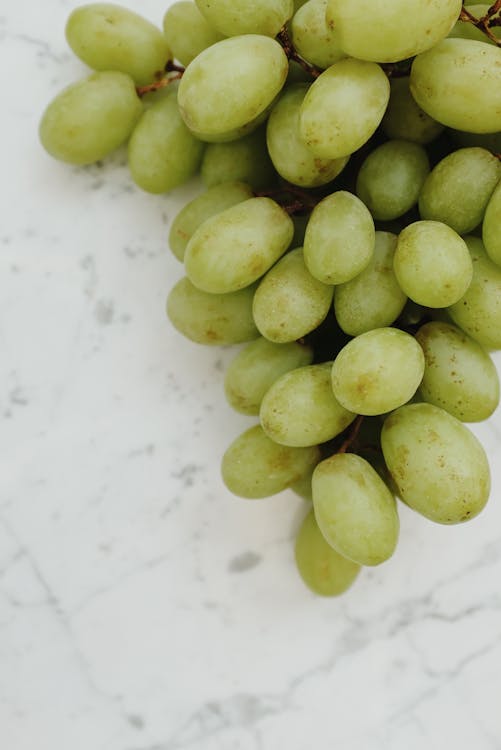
[289,301]
[478,312]
[432,264]
[187,31]
[291,158]
[388,31]
[339,239]
[377,371]
[459,375]
[109,37]
[404,119]
[212,318]
[373,299]
[491,229]
[162,152]
[456,83]
[257,367]
[458,189]
[236,17]
[466,30]
[322,569]
[215,200]
[313,38]
[300,408]
[391,177]
[254,466]
[237,246]
[230,84]
[91,118]
[354,509]
[245,159]
[343,108]
[438,465]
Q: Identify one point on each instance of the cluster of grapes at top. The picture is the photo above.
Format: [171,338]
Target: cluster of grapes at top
[349,235]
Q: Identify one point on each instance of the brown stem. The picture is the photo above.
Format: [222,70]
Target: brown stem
[355,429]
[160,84]
[483,24]
[303,200]
[284,39]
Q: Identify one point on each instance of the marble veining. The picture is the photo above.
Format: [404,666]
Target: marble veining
[142,607]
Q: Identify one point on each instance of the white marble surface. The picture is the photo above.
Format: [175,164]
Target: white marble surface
[142,607]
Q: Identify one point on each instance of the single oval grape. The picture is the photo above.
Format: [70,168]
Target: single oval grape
[404,119]
[237,17]
[432,264]
[90,118]
[290,302]
[456,83]
[377,371]
[354,509]
[245,159]
[109,37]
[254,370]
[313,38]
[300,408]
[255,467]
[343,108]
[322,569]
[437,464]
[231,250]
[339,239]
[216,319]
[389,31]
[230,84]
[187,31]
[459,376]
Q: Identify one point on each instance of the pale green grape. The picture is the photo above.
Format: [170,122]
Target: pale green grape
[91,118]
[405,119]
[257,367]
[459,187]
[290,302]
[459,375]
[491,230]
[373,299]
[215,200]
[467,30]
[300,408]
[255,467]
[245,159]
[354,509]
[432,264]
[377,371]
[391,177]
[187,31]
[323,570]
[313,38]
[162,152]
[438,465]
[343,108]
[339,239]
[457,83]
[478,312]
[109,37]
[235,17]
[291,158]
[237,246]
[212,318]
[390,30]
[231,84]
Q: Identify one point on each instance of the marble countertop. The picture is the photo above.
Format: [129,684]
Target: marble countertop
[142,607]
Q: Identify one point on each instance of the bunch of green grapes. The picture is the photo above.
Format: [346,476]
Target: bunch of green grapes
[349,236]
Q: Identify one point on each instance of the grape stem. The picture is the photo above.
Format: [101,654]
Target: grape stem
[303,201]
[284,39]
[355,429]
[485,23]
[173,72]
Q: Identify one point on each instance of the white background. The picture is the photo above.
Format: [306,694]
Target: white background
[142,607]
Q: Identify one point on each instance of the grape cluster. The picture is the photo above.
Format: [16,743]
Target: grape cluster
[349,235]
